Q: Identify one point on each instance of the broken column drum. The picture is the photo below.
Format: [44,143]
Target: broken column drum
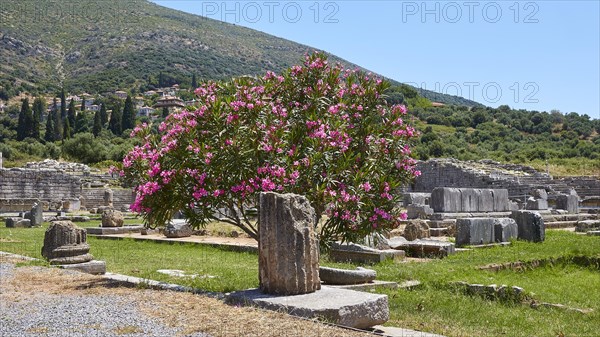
[65,243]
[288,258]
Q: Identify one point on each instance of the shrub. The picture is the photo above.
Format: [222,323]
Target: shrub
[316,130]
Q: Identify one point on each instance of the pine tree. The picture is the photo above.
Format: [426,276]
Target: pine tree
[194,82]
[103,115]
[128,114]
[66,129]
[63,104]
[115,124]
[38,115]
[49,136]
[97,124]
[165,112]
[71,115]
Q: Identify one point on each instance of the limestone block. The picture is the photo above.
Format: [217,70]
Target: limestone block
[486,200]
[570,203]
[536,204]
[469,199]
[474,231]
[531,225]
[446,199]
[288,260]
[112,218]
[416,230]
[505,229]
[344,276]
[178,229]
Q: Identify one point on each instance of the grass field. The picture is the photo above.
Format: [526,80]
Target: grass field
[433,307]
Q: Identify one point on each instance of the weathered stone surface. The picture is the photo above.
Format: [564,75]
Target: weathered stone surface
[418,211]
[108,197]
[65,243]
[17,222]
[352,252]
[112,218]
[593,233]
[377,241]
[474,231]
[36,215]
[93,267]
[459,200]
[505,229]
[344,276]
[570,203]
[540,193]
[531,225]
[587,225]
[470,199]
[397,241]
[416,230]
[486,200]
[501,203]
[536,204]
[445,199]
[288,259]
[339,306]
[427,248]
[178,229]
[417,199]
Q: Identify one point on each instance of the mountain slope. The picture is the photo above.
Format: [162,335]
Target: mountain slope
[106,45]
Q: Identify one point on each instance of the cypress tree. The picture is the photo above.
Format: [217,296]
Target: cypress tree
[103,115]
[49,136]
[81,123]
[97,124]
[66,129]
[71,115]
[128,114]
[82,104]
[22,128]
[63,104]
[115,124]
[165,112]
[38,115]
[194,82]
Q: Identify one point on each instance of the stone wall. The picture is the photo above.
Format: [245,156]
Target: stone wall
[519,180]
[46,185]
[94,197]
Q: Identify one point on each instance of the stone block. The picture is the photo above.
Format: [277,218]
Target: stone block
[178,229]
[338,306]
[113,230]
[505,229]
[375,256]
[417,229]
[17,222]
[486,200]
[417,199]
[344,276]
[500,200]
[540,193]
[427,248]
[36,215]
[536,204]
[570,203]
[585,225]
[446,199]
[288,259]
[93,267]
[474,231]
[530,224]
[469,199]
[418,211]
[112,218]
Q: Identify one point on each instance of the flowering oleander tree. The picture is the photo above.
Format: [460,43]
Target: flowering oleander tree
[316,130]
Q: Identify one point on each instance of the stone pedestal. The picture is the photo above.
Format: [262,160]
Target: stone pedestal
[288,258]
[570,203]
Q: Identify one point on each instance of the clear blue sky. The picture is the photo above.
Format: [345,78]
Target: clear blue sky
[535,55]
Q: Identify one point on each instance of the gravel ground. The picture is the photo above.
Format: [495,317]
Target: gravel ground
[75,315]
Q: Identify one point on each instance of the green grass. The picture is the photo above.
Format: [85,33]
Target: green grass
[433,307]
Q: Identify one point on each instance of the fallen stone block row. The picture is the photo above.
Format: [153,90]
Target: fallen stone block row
[478,231]
[447,199]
